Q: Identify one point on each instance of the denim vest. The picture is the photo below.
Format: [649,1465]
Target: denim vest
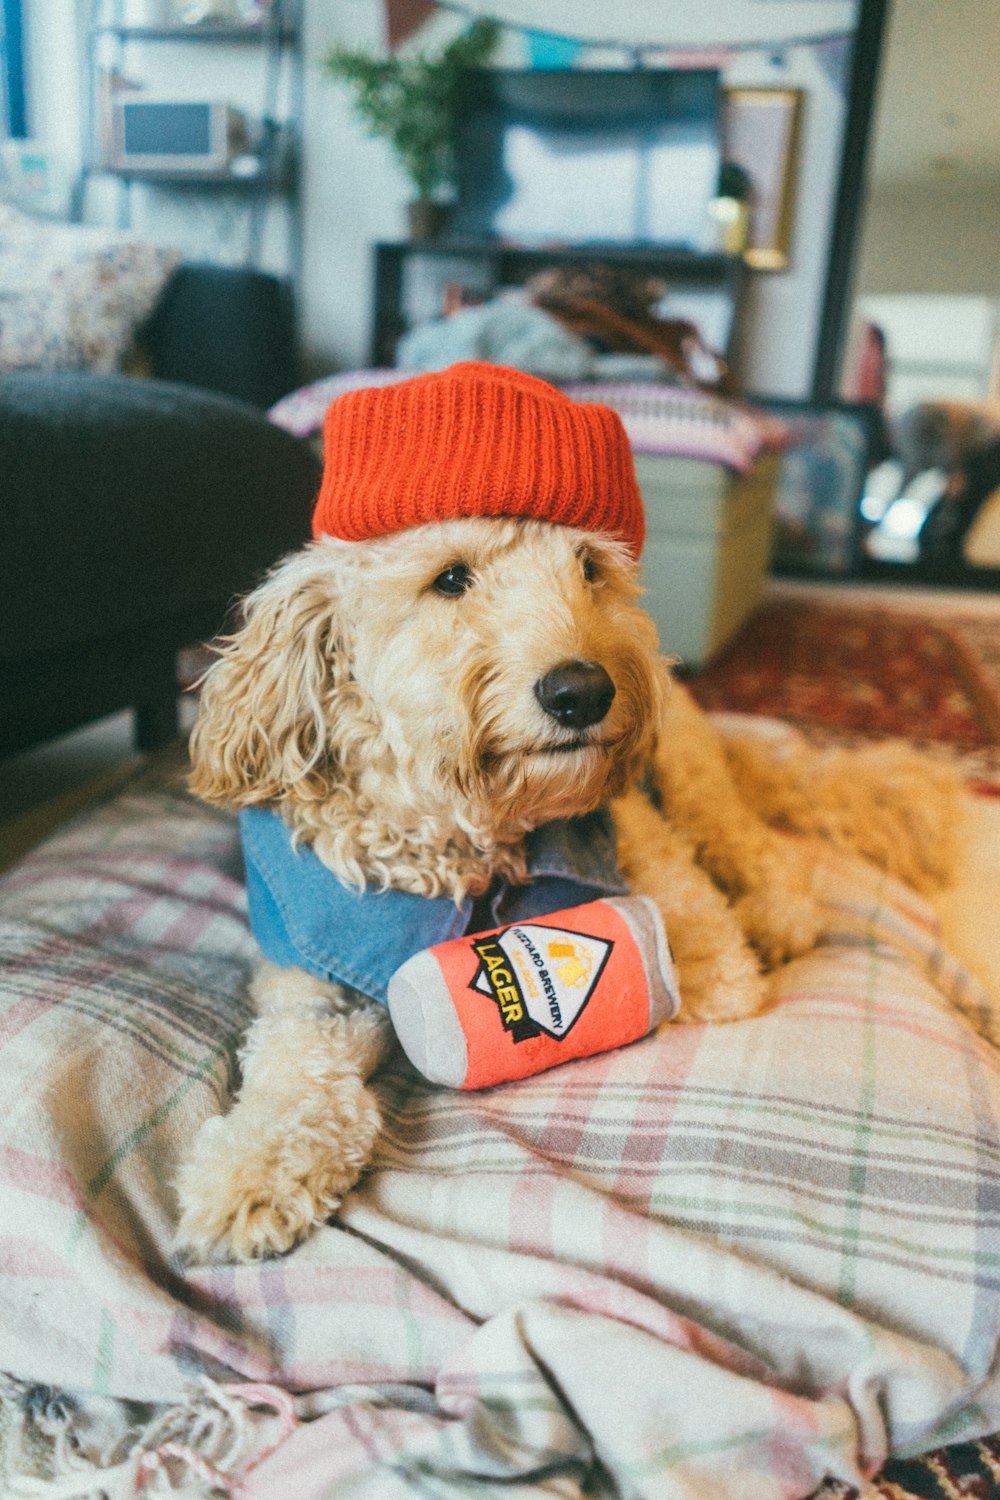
[302,915]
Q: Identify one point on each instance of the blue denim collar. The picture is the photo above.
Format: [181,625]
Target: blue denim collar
[302,915]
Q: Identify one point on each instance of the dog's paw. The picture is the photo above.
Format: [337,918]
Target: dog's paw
[723,983]
[777,910]
[780,922]
[718,975]
[255,1183]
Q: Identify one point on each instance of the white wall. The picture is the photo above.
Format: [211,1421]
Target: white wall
[52,78]
[929,277]
[354,195]
[931,236]
[782,315]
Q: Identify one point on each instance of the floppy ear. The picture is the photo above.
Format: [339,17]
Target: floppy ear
[648,678]
[269,705]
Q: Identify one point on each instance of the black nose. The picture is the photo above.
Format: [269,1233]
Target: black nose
[576,694]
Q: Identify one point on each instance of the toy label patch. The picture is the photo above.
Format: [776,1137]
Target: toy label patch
[539,977]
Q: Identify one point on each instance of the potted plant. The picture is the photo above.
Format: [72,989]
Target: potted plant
[411,101]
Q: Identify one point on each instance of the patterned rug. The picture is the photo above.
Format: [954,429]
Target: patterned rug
[844,673]
[965,1471]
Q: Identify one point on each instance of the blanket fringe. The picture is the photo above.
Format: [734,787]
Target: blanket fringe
[65,1446]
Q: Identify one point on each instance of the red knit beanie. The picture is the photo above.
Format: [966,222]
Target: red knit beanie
[474,440]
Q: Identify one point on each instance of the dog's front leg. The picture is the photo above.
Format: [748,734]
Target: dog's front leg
[718,976]
[766,875]
[301,1130]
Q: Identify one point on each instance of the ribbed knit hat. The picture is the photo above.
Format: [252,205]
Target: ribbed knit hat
[474,440]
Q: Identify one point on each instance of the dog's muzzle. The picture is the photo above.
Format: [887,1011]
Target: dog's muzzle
[576,694]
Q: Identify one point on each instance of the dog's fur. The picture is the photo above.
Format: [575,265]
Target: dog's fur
[398,732]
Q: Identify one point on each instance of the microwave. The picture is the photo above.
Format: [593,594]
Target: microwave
[175,135]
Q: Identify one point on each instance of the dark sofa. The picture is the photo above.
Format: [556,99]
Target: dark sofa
[132,512]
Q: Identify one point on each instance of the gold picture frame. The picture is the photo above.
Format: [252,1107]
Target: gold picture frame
[761,129]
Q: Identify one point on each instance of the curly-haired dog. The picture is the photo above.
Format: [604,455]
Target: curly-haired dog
[418,705]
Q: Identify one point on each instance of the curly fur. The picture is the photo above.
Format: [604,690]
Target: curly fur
[393,727]
[398,732]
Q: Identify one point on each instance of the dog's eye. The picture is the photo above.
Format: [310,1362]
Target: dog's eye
[589,566]
[453,581]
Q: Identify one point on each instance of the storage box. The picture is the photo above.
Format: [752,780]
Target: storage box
[707,476]
[709,533]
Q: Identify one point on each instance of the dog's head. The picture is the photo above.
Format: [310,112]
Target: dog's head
[446,688]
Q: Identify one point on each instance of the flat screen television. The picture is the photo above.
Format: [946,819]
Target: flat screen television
[587,156]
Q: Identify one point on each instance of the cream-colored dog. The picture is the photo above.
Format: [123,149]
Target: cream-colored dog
[414,705]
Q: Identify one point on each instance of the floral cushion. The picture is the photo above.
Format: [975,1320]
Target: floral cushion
[72,297]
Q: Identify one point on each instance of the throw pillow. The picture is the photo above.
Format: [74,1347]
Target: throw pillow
[73,296]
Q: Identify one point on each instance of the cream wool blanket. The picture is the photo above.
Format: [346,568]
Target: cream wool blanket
[726,1261]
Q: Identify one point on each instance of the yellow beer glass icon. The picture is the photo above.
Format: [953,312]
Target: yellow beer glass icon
[575,971]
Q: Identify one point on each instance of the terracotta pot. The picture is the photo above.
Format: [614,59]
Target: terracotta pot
[427,219]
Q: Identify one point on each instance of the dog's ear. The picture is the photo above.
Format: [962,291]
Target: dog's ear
[650,685]
[270,704]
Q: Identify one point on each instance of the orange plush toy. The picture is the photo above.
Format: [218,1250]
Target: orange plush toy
[493,1006]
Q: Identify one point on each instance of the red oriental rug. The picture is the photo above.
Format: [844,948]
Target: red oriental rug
[965,1471]
[843,673]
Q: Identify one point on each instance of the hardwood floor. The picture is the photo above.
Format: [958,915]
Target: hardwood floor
[42,787]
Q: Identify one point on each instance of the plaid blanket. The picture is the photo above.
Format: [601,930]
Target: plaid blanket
[725,1261]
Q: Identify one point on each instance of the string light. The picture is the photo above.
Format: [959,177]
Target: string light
[777,46]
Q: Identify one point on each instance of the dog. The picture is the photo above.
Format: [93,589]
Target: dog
[962,439]
[417,704]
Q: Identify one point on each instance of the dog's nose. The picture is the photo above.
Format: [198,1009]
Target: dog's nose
[576,694]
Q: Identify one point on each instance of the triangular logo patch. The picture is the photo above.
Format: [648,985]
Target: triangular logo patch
[540,977]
